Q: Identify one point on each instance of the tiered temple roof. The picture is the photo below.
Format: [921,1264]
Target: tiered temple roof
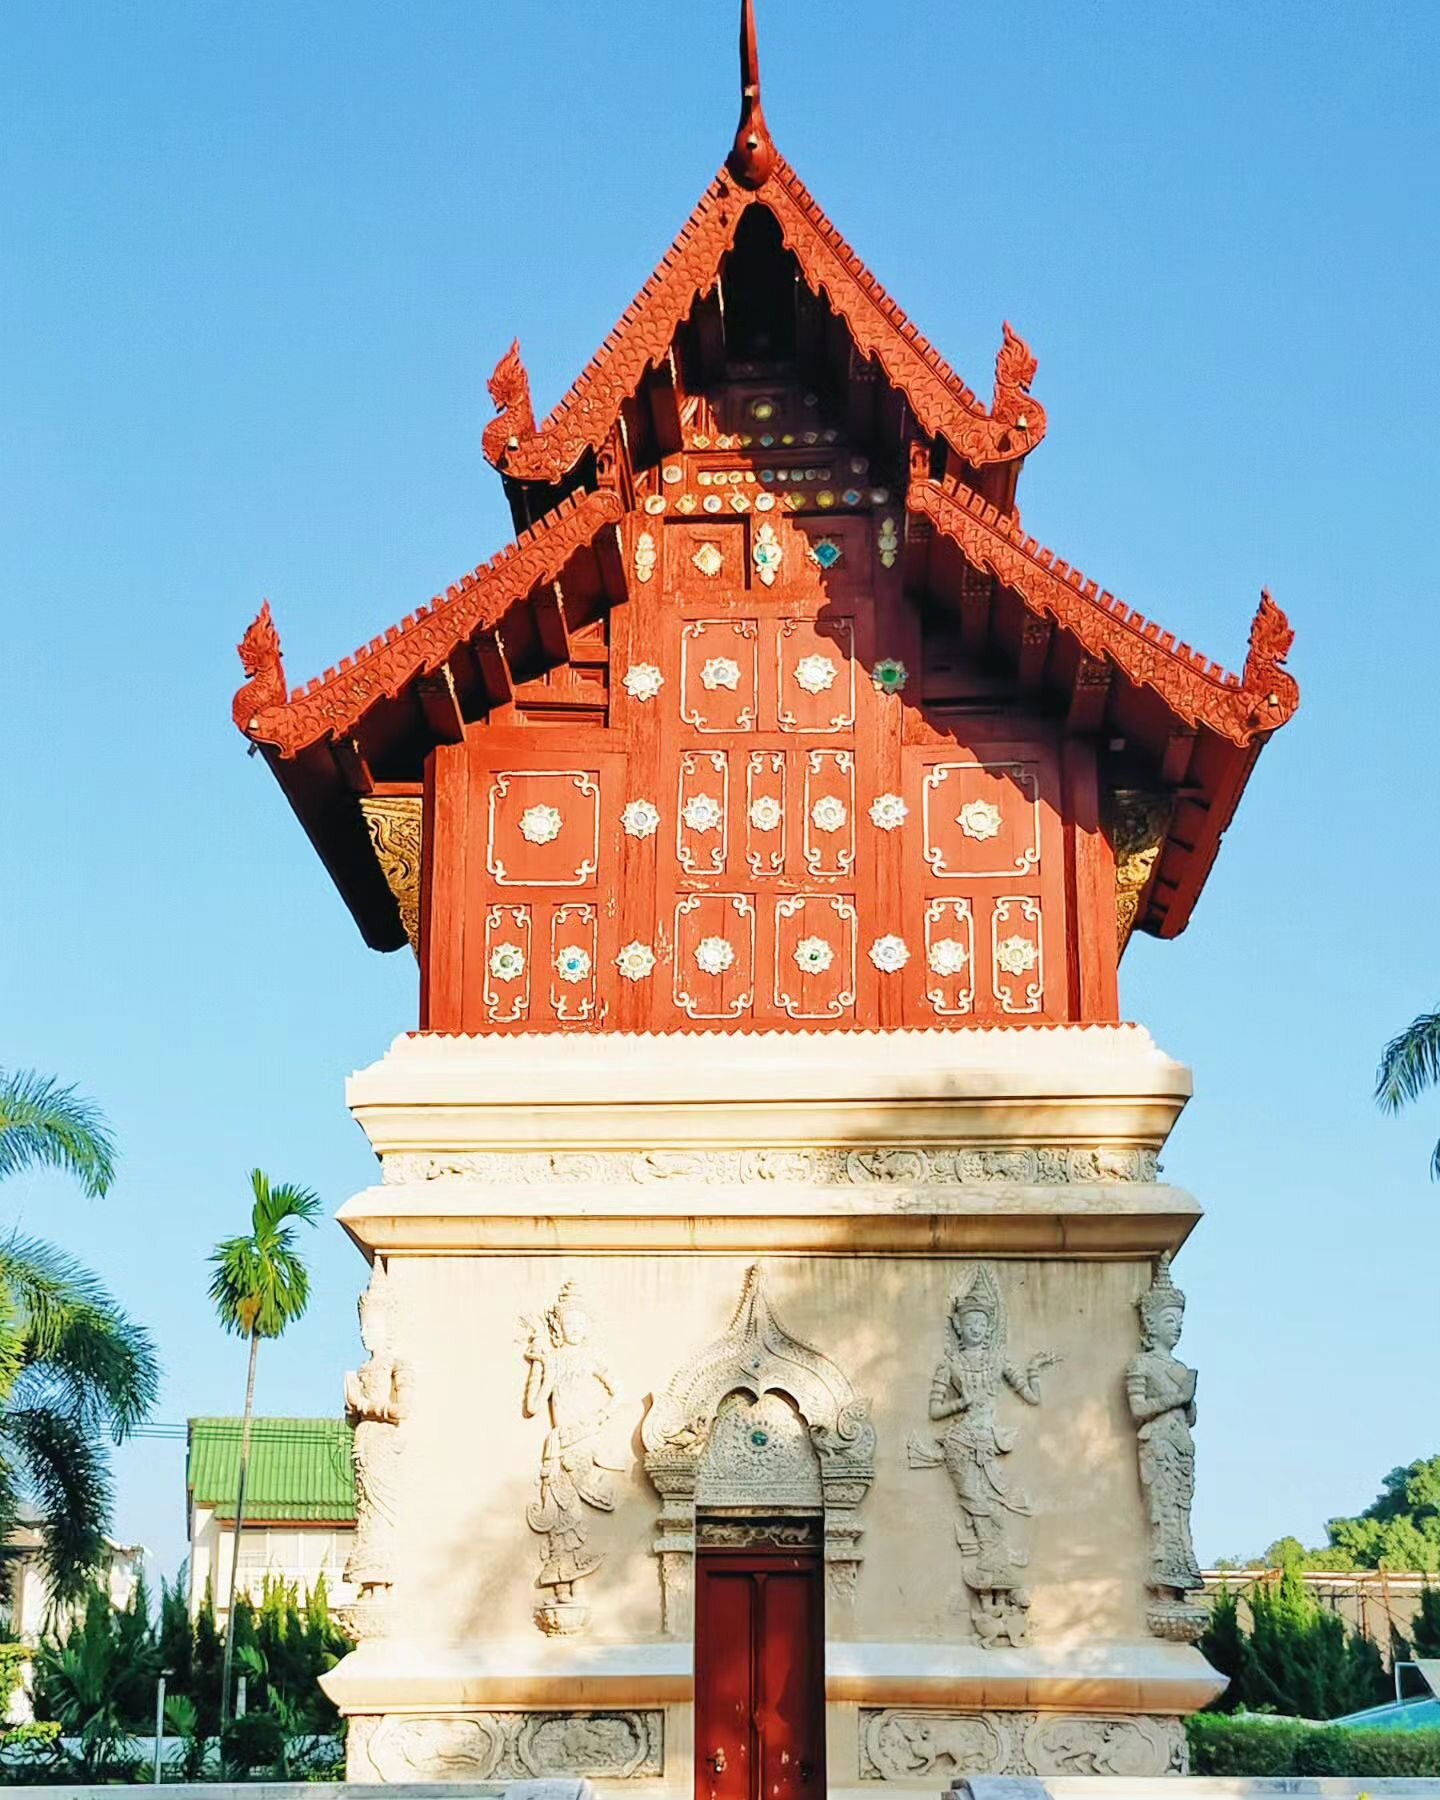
[758,240]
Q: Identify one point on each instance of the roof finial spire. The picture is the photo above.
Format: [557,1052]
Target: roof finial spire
[752,158]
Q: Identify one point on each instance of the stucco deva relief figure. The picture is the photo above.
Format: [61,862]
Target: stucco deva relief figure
[965,1395]
[571,1387]
[1161,1392]
[377,1400]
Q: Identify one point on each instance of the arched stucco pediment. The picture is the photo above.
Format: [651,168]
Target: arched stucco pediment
[756,1357]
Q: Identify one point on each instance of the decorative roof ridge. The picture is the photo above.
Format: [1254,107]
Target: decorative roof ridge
[1199,690]
[946,406]
[515,445]
[872,287]
[333,703]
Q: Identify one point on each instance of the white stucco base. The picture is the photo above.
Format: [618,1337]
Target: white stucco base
[866,1172]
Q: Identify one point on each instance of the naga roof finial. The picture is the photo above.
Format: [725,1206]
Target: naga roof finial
[752,157]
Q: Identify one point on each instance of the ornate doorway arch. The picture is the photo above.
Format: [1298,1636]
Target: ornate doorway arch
[757,1421]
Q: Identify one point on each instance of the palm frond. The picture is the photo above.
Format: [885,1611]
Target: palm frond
[276,1202]
[259,1282]
[44,1125]
[77,1349]
[1409,1063]
[64,1472]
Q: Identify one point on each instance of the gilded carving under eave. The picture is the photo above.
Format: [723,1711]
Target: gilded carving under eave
[395,824]
[1137,822]
[783,1379]
[916,1743]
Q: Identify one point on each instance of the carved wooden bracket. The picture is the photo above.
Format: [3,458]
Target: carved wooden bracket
[1136,821]
[395,823]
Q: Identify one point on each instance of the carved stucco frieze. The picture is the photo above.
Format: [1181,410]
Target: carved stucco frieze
[917,1743]
[906,1165]
[965,1394]
[510,1746]
[395,823]
[377,1402]
[568,1385]
[757,1420]
[1161,1393]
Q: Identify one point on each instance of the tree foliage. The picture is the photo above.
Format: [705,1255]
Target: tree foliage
[75,1370]
[1410,1067]
[1297,1657]
[99,1680]
[46,1126]
[259,1283]
[1400,1529]
[1425,1630]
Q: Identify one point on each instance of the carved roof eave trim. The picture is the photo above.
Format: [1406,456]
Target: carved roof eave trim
[942,403]
[334,704]
[1242,709]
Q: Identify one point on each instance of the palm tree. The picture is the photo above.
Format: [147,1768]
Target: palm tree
[259,1286]
[43,1125]
[1409,1064]
[74,1369]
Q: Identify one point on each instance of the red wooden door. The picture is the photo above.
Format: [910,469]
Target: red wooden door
[759,1677]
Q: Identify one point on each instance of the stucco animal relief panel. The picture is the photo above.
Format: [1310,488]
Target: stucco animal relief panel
[966,1393]
[377,1400]
[515,1746]
[568,1385]
[915,1743]
[757,1418]
[1161,1392]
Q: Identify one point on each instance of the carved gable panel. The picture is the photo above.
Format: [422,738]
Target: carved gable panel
[815,959]
[986,868]
[814,666]
[783,825]
[719,675]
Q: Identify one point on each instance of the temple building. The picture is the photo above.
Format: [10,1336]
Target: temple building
[771,1379]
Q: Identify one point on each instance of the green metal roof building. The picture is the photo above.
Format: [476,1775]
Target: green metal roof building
[299,1504]
[300,1469]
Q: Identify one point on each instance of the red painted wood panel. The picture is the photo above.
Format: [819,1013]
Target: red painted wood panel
[759,1677]
[763,835]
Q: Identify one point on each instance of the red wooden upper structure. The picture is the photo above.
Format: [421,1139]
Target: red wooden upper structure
[772,715]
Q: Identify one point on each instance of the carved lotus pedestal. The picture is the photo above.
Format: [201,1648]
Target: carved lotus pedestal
[826,1296]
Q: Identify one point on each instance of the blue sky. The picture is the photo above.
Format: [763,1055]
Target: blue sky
[257,264]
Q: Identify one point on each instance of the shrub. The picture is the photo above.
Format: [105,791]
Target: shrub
[256,1740]
[1250,1744]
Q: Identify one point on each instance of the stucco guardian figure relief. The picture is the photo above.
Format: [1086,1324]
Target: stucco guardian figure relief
[377,1401]
[965,1396]
[1161,1392]
[569,1385]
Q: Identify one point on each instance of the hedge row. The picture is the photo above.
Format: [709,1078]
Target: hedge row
[1250,1744]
